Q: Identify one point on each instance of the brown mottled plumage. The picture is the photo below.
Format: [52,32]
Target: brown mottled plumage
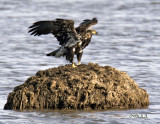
[72,40]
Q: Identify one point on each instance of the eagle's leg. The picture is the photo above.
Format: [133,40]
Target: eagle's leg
[70,56]
[79,56]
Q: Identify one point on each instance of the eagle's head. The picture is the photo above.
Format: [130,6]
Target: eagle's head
[92,31]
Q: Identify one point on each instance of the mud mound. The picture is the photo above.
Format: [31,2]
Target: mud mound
[85,87]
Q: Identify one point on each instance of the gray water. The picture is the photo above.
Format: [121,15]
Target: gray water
[129,40]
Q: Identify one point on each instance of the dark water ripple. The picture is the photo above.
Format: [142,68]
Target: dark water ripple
[129,33]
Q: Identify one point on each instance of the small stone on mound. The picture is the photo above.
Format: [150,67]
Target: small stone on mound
[86,87]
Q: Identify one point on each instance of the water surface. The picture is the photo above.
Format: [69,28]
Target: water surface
[129,33]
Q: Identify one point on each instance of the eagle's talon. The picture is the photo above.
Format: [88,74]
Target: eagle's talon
[79,63]
[73,65]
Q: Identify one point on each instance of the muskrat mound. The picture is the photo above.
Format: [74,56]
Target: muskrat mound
[86,87]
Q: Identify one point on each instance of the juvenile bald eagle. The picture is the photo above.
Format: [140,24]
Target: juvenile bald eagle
[72,40]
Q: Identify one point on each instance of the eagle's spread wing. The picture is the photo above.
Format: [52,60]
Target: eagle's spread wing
[86,24]
[62,29]
[86,34]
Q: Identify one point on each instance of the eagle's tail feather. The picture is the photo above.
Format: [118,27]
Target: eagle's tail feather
[57,53]
[53,53]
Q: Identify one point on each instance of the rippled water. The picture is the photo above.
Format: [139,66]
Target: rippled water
[129,39]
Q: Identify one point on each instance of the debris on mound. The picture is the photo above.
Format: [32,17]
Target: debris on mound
[86,87]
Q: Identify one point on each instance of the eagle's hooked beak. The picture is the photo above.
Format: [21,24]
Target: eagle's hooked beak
[94,32]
